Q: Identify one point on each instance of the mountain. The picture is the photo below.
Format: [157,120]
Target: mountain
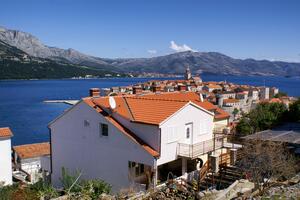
[34,47]
[17,64]
[209,62]
[199,62]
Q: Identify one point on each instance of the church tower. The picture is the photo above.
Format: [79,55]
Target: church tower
[188,74]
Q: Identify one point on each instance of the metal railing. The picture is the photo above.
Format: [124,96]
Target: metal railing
[198,149]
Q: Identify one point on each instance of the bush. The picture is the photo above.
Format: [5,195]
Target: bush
[294,111]
[264,116]
[43,190]
[83,189]
[94,188]
[6,192]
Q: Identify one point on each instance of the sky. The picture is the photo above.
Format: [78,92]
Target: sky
[259,29]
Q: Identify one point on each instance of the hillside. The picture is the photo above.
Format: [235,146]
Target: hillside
[16,64]
[209,62]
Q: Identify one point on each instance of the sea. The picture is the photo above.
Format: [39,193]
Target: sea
[22,106]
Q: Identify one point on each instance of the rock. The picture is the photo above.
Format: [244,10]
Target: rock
[107,197]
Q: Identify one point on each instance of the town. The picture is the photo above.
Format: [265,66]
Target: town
[153,135]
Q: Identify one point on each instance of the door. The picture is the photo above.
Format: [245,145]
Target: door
[189,133]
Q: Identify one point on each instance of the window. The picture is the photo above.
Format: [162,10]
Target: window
[187,132]
[103,129]
[136,169]
[86,123]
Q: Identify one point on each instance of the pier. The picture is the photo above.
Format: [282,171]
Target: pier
[69,102]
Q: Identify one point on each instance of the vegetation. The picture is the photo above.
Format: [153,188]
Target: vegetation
[265,162]
[11,69]
[76,188]
[280,94]
[35,191]
[264,116]
[294,111]
[73,187]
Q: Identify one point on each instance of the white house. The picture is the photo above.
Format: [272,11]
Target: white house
[33,159]
[5,156]
[127,140]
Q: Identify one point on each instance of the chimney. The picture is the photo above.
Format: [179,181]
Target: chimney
[182,88]
[156,88]
[137,90]
[94,92]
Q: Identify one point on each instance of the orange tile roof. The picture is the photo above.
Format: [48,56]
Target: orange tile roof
[143,108]
[32,150]
[231,101]
[93,102]
[221,114]
[5,132]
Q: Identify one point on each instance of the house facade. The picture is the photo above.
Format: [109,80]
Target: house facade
[134,140]
[5,156]
[34,159]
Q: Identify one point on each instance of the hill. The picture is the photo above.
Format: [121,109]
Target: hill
[16,64]
[209,62]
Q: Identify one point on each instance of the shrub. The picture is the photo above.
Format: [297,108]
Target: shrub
[43,190]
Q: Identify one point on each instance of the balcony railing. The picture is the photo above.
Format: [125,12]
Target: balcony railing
[198,149]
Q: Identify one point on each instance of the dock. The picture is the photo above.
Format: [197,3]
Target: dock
[69,102]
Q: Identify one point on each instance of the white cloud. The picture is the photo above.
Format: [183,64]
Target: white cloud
[152,51]
[180,48]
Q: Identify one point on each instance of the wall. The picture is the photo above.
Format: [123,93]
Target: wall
[148,133]
[77,147]
[5,161]
[202,130]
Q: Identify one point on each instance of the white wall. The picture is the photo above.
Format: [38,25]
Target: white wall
[5,161]
[202,130]
[77,147]
[148,133]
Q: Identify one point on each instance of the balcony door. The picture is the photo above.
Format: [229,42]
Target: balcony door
[189,133]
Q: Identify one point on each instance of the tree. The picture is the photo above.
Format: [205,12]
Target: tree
[264,116]
[294,111]
[265,161]
[235,112]
[280,94]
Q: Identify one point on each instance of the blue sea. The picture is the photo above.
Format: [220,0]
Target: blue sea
[23,110]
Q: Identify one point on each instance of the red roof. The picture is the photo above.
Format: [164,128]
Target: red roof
[5,132]
[92,102]
[145,108]
[33,150]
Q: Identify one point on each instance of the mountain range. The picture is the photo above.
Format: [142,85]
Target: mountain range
[199,62]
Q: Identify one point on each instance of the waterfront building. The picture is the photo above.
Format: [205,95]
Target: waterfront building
[34,159]
[5,156]
[136,140]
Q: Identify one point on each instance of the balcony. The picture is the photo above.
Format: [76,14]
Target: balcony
[195,150]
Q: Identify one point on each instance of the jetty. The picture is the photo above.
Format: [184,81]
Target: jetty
[69,102]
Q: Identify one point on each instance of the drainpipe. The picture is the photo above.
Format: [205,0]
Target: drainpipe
[155,175]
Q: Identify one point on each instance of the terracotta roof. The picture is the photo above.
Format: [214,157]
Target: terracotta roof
[221,114]
[94,103]
[32,150]
[143,108]
[5,132]
[231,101]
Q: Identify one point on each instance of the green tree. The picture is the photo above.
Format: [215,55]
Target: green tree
[264,116]
[280,94]
[294,111]
[235,112]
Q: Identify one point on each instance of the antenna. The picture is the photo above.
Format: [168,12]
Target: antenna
[201,97]
[112,102]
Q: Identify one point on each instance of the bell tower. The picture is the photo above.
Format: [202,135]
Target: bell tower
[188,74]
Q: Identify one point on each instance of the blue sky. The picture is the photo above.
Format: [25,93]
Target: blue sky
[261,29]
